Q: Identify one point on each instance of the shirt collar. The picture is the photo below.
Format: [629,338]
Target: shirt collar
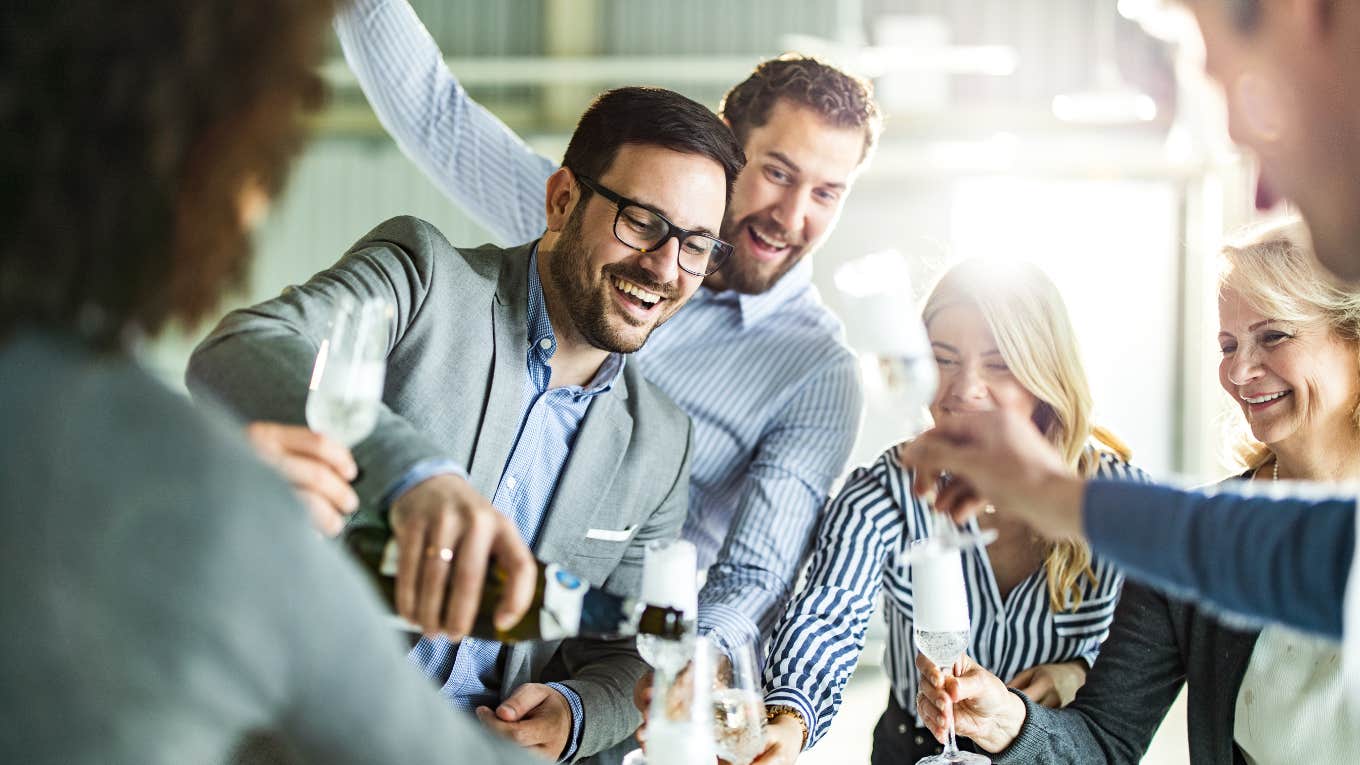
[754,308]
[543,341]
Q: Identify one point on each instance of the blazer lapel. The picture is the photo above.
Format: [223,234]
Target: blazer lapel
[501,413]
[595,456]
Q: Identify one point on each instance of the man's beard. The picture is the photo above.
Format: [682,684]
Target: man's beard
[748,276]
[587,300]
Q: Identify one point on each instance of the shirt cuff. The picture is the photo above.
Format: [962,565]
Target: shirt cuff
[728,627]
[423,470]
[792,698]
[578,718]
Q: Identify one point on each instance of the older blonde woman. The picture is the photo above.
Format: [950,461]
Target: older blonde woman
[1290,341]
[1002,340]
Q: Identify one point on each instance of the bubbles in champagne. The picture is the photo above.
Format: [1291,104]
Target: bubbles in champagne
[942,647]
[347,420]
[738,724]
[666,656]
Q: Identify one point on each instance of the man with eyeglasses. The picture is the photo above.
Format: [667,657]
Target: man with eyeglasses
[756,360]
[508,378]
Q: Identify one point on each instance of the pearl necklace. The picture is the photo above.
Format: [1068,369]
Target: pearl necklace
[1275,472]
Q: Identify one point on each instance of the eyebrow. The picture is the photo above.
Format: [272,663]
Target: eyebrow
[784,158]
[705,230]
[952,349]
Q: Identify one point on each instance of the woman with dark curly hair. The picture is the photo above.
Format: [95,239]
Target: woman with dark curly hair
[165,597]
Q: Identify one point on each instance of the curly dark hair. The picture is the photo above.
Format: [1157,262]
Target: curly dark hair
[133,132]
[843,100]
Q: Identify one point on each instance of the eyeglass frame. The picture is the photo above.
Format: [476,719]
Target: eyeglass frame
[672,230]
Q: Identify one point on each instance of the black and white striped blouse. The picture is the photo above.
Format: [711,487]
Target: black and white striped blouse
[858,550]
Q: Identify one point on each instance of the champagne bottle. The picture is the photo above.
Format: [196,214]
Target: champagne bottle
[564,605]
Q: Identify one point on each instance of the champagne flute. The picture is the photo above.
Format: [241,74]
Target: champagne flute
[680,721]
[738,707]
[345,393]
[941,626]
[670,579]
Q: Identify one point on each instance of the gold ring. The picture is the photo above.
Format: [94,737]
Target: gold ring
[443,553]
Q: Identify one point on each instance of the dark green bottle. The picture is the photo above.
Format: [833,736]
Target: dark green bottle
[564,605]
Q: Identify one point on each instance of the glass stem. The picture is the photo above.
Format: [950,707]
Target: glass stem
[951,744]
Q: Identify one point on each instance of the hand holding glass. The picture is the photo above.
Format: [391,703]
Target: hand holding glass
[942,629]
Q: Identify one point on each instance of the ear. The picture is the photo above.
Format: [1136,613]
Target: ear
[563,194]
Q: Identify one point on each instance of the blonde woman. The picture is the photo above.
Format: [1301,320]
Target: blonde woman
[1002,340]
[1290,343]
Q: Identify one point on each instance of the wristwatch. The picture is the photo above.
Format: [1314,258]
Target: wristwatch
[775,710]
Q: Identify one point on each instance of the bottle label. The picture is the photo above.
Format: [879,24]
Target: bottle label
[563,593]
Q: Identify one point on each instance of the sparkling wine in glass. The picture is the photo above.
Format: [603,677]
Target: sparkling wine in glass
[941,626]
[670,574]
[347,381]
[680,723]
[738,707]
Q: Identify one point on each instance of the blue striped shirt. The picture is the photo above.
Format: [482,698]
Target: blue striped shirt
[773,391]
[549,419]
[858,551]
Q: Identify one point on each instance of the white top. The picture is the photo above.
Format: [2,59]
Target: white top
[1293,706]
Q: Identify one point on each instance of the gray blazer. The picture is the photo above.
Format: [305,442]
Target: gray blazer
[455,376]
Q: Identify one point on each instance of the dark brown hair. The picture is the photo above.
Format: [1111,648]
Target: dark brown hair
[654,117]
[132,132]
[842,100]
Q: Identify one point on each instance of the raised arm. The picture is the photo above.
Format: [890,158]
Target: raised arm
[467,152]
[785,489]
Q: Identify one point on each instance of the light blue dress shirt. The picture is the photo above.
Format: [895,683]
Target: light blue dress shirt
[549,421]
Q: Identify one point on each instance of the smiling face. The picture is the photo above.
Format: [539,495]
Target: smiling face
[1296,383]
[609,294]
[973,375]
[786,200]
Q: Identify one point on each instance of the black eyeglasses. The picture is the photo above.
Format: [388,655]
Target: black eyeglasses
[645,230]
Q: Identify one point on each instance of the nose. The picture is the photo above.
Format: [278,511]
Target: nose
[791,211]
[965,385]
[663,263]
[1243,367]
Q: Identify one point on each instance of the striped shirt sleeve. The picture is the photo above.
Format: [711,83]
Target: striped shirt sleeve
[469,154]
[818,641]
[783,494]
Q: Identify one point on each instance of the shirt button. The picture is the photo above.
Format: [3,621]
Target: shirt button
[901,728]
[510,483]
[920,740]
[545,343]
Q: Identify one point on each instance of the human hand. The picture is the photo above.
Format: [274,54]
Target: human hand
[783,741]
[1051,685]
[319,468]
[999,458]
[536,717]
[642,699]
[981,707]
[447,533]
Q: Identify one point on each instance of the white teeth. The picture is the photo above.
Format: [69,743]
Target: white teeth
[1265,398]
[650,298]
[768,241]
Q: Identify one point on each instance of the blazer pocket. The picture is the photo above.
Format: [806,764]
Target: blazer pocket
[612,535]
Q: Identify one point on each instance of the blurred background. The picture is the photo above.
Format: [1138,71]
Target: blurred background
[1082,136]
